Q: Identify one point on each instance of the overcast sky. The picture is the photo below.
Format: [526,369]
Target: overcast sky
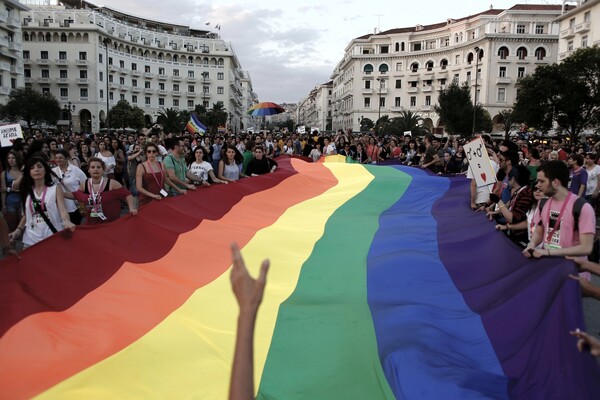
[288,48]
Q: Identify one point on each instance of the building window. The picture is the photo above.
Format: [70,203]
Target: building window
[444,63]
[398,66]
[147,84]
[134,99]
[100,58]
[190,74]
[368,69]
[63,74]
[134,82]
[220,76]
[456,78]
[26,54]
[122,96]
[584,41]
[539,29]
[521,53]
[161,101]
[205,89]
[383,69]
[121,80]
[367,84]
[161,86]
[382,102]
[385,49]
[570,45]
[468,76]
[396,101]
[521,72]
[413,101]
[62,55]
[44,55]
[586,16]
[27,73]
[111,96]
[501,95]
[45,73]
[220,90]
[110,61]
[133,66]
[572,23]
[457,59]
[429,65]
[191,88]
[503,53]
[175,102]
[367,102]
[147,68]
[83,55]
[520,28]
[83,92]
[427,100]
[122,63]
[190,103]
[101,93]
[175,87]
[414,67]
[64,92]
[398,84]
[147,100]
[161,71]
[540,53]
[397,47]
[175,72]
[502,72]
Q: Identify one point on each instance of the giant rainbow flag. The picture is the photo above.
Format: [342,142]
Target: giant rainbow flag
[383,284]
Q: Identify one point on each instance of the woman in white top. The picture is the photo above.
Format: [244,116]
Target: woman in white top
[315,153]
[108,157]
[203,169]
[228,166]
[288,147]
[69,177]
[44,204]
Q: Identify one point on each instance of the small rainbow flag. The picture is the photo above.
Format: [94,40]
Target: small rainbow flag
[383,284]
[194,125]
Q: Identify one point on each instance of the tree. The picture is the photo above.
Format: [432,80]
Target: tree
[171,119]
[366,124]
[123,115]
[566,93]
[455,109]
[217,115]
[507,120]
[408,122]
[382,125]
[30,106]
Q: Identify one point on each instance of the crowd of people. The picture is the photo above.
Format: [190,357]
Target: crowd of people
[544,199]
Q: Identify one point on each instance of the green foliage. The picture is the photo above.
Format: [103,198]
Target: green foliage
[30,106]
[407,121]
[123,115]
[507,120]
[566,93]
[213,118]
[455,109]
[483,121]
[172,120]
[366,124]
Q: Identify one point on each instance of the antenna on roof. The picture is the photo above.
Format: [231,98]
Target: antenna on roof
[379,22]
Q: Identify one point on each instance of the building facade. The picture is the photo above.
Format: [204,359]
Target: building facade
[11,62]
[579,27]
[91,57]
[317,109]
[405,69]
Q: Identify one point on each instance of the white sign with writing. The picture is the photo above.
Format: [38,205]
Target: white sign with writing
[8,133]
[479,162]
[301,129]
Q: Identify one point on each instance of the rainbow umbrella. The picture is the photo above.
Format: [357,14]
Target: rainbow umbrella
[265,108]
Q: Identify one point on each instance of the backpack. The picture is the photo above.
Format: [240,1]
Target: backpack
[576,209]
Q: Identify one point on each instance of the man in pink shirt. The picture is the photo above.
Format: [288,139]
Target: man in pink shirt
[556,229]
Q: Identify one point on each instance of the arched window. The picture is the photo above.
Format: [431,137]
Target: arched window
[368,69]
[221,62]
[444,63]
[26,37]
[402,46]
[48,37]
[175,58]
[429,65]
[503,52]
[521,53]
[397,48]
[63,37]
[470,58]
[383,69]
[414,67]
[480,54]
[190,60]
[540,53]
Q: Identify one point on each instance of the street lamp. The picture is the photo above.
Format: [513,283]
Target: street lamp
[475,97]
[381,81]
[106,42]
[69,108]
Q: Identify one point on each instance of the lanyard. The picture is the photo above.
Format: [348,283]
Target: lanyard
[95,195]
[42,201]
[514,197]
[154,174]
[558,220]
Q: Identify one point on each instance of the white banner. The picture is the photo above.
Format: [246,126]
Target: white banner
[479,162]
[301,129]
[8,133]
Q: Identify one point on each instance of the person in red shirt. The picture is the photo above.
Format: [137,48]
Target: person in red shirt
[556,146]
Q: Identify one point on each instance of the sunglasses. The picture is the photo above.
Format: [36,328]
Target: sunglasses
[151,151]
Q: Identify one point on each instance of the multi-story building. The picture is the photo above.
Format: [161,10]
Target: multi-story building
[577,28]
[317,111]
[11,62]
[405,69]
[91,57]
